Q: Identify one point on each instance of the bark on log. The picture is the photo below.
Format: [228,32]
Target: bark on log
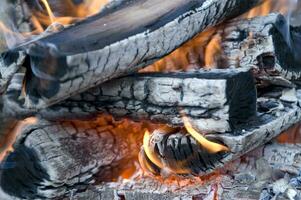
[215,101]
[266,43]
[101,47]
[181,153]
[52,159]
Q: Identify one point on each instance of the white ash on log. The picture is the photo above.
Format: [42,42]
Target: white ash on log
[53,158]
[215,101]
[266,43]
[114,43]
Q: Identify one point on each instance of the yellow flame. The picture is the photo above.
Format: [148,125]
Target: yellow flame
[49,11]
[149,152]
[212,147]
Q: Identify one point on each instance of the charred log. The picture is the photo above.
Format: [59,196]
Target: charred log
[102,48]
[52,159]
[266,43]
[182,154]
[215,101]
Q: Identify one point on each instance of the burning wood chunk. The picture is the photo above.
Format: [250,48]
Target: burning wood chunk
[215,101]
[104,47]
[51,158]
[182,153]
[266,43]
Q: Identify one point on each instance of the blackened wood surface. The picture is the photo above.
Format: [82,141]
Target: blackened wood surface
[53,158]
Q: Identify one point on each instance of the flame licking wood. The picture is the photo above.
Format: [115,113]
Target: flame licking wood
[149,152]
[10,138]
[211,147]
[69,12]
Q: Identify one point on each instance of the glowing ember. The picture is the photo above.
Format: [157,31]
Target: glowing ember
[212,147]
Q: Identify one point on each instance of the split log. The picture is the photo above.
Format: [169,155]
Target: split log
[215,101]
[52,159]
[181,153]
[266,43]
[103,47]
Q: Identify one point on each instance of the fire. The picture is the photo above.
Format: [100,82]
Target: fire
[268,6]
[49,11]
[211,147]
[149,152]
[213,50]
[9,138]
[71,13]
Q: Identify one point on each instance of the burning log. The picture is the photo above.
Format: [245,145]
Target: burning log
[51,159]
[215,101]
[104,46]
[266,43]
[182,153]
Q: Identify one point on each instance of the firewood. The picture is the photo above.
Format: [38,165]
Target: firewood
[182,154]
[116,42]
[50,158]
[265,43]
[215,101]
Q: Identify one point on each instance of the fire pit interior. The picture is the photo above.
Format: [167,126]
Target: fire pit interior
[149,99]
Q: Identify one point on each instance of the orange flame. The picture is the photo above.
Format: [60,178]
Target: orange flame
[149,152]
[10,138]
[212,147]
[269,6]
[49,11]
[85,9]
[213,49]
